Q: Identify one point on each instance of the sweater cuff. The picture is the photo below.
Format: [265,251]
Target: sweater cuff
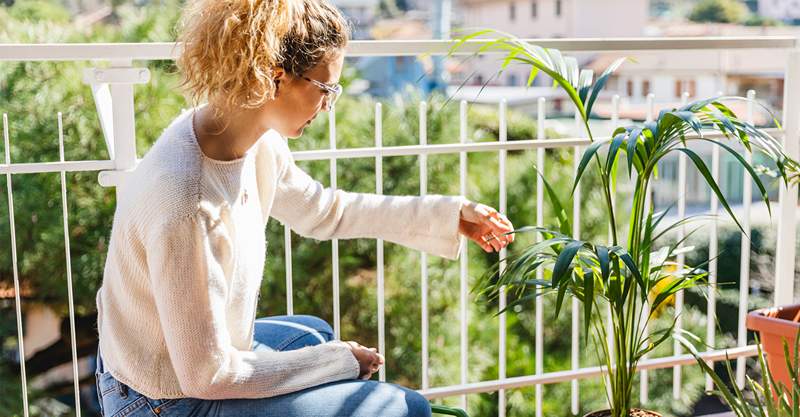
[445,220]
[350,365]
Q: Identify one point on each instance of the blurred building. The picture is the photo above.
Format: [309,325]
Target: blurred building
[361,13]
[784,10]
[541,19]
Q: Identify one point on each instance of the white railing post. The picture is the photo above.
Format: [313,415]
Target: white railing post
[501,368]
[464,261]
[124,119]
[112,89]
[337,315]
[539,309]
[379,243]
[787,206]
[15,271]
[423,260]
[744,265]
[576,234]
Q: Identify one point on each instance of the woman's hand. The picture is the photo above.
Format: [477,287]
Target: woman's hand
[485,226]
[369,360]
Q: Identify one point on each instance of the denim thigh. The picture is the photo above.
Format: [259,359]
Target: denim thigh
[351,398]
[290,332]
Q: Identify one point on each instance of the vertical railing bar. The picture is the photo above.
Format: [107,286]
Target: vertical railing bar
[337,315]
[609,317]
[70,298]
[576,233]
[713,251]
[744,266]
[287,250]
[462,164]
[681,261]
[423,190]
[787,225]
[503,137]
[381,290]
[17,301]
[643,375]
[539,331]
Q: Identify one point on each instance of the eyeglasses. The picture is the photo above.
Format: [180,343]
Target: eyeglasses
[332,92]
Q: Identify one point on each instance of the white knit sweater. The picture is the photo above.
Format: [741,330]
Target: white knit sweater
[186,258]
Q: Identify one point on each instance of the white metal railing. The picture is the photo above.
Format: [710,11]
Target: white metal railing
[112,88]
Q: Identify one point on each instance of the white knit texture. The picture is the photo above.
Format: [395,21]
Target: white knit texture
[178,302]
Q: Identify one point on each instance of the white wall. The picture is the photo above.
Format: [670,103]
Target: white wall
[579,18]
[609,18]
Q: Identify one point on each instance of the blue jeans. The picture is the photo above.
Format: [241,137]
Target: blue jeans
[349,398]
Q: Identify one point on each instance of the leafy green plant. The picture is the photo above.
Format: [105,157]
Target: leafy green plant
[768,397]
[637,277]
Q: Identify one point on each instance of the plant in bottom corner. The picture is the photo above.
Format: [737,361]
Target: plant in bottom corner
[764,398]
[634,278]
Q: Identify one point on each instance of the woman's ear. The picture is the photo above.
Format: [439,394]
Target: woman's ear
[278,75]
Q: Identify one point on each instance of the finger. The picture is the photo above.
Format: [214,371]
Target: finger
[481,242]
[498,227]
[494,241]
[503,219]
[501,237]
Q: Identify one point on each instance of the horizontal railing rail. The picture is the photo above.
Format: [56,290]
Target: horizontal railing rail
[171,50]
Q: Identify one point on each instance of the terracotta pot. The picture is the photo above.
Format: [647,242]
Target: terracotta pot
[774,325]
[635,412]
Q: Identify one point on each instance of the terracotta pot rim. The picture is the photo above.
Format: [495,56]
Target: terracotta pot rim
[764,320]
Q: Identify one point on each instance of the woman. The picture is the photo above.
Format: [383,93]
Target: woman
[177,306]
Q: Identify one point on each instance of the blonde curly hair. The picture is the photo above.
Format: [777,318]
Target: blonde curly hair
[231,47]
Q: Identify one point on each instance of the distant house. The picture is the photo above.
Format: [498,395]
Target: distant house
[784,10]
[547,19]
[701,74]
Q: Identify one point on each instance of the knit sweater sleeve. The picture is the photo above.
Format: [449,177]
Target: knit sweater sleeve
[190,262]
[427,223]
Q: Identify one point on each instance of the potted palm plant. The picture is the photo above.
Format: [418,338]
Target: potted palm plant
[634,274]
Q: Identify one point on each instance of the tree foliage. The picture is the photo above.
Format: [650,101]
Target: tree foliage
[719,11]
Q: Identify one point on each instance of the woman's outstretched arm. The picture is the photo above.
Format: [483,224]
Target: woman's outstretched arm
[429,223]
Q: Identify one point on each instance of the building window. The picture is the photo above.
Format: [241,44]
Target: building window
[629,88]
[645,88]
[558,8]
[512,80]
[512,11]
[692,88]
[685,86]
[534,8]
